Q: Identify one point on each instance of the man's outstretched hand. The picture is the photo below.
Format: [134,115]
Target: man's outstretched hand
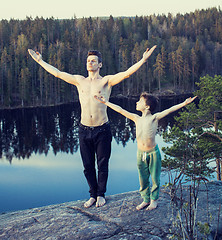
[148,53]
[35,55]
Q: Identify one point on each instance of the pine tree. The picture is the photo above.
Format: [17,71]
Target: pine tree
[194,68]
[179,65]
[172,64]
[159,70]
[196,136]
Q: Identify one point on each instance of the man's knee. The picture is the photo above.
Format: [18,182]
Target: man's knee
[103,164]
[89,169]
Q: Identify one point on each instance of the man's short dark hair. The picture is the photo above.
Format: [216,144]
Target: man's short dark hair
[150,100]
[96,53]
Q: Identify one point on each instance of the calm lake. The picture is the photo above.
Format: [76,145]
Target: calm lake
[40,161]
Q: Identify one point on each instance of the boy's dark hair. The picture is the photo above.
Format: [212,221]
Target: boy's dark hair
[96,53]
[150,100]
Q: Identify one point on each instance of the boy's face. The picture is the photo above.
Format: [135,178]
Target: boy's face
[141,105]
[92,63]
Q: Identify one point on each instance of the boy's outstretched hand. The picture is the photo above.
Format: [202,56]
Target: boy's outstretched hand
[35,55]
[189,100]
[100,99]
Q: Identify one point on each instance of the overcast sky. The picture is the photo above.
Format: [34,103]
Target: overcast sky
[66,9]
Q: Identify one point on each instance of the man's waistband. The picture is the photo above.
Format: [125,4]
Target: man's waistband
[93,128]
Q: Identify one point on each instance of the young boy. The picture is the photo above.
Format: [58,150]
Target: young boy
[148,154]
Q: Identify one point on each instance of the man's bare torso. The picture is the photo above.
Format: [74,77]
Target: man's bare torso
[93,113]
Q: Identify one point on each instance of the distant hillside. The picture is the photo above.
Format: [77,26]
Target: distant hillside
[188,46]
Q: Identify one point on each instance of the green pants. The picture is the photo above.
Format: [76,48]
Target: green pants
[149,163]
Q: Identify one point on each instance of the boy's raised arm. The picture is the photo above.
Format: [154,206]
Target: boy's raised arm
[117,78]
[72,79]
[117,108]
[174,108]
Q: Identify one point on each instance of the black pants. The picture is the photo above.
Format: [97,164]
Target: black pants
[95,143]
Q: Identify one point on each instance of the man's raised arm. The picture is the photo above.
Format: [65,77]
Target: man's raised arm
[117,78]
[72,79]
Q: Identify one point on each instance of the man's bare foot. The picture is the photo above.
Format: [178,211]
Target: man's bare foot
[153,205]
[142,205]
[100,201]
[90,202]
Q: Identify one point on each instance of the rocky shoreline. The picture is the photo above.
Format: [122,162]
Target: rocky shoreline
[118,219]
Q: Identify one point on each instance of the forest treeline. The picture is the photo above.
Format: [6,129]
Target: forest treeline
[188,46]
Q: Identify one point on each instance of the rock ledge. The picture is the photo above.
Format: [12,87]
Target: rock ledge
[118,219]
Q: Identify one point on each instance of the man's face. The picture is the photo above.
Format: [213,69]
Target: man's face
[92,63]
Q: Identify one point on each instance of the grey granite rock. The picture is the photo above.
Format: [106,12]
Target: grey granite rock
[118,219]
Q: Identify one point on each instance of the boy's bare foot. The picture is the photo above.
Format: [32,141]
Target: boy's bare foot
[142,205]
[90,202]
[153,205]
[100,201]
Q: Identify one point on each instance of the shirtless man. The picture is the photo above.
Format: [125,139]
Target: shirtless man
[94,130]
[148,154]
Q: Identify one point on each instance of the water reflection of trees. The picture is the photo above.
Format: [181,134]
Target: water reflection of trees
[27,131]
